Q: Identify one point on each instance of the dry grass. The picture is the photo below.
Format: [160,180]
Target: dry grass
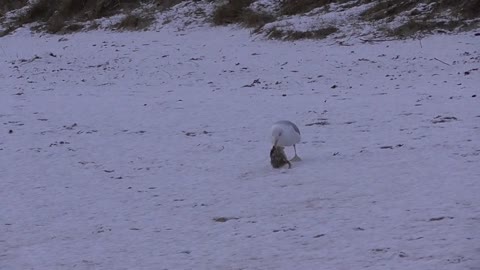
[292,7]
[231,12]
[7,5]
[468,9]
[7,31]
[419,27]
[387,9]
[238,11]
[56,14]
[59,16]
[63,15]
[275,33]
[87,9]
[425,21]
[255,19]
[135,22]
[291,35]
[166,4]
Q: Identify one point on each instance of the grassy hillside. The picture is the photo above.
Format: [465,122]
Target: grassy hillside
[284,19]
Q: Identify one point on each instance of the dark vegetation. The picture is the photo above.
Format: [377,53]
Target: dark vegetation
[385,9]
[293,7]
[7,5]
[321,33]
[61,16]
[238,11]
[426,21]
[422,21]
[135,22]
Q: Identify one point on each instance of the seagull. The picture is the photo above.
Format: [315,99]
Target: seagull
[286,133]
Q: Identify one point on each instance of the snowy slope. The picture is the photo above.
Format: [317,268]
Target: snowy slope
[150,151]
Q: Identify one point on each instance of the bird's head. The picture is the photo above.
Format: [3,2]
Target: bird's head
[276,134]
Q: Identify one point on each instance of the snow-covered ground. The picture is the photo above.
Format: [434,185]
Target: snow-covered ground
[149,150]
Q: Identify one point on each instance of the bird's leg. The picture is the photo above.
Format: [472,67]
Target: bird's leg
[296,157]
[289,164]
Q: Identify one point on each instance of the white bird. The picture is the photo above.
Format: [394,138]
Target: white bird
[286,133]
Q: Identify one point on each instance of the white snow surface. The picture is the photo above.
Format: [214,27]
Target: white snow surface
[149,150]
